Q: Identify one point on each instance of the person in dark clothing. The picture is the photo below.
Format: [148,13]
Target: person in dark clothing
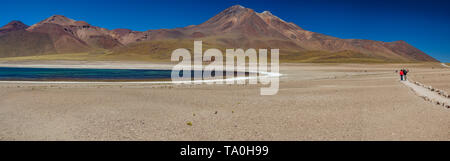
[405,72]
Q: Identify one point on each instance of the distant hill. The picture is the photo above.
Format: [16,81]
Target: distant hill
[235,27]
[13,26]
[16,41]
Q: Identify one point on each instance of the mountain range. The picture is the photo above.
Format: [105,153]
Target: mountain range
[235,27]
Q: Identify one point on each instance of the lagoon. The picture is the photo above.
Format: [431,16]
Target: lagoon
[84,74]
[80,74]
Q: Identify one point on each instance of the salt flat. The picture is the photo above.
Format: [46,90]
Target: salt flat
[315,102]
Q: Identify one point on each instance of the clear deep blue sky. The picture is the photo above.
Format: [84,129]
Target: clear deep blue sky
[423,23]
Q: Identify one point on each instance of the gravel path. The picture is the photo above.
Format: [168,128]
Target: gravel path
[424,92]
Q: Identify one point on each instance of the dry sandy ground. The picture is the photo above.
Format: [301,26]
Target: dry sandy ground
[315,102]
[438,77]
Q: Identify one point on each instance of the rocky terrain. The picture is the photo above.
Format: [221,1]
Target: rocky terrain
[314,102]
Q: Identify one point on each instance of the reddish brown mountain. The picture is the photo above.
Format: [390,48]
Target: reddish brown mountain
[13,26]
[16,41]
[75,34]
[237,20]
[63,39]
[235,27]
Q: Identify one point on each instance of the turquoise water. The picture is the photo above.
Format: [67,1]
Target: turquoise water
[78,74]
[41,74]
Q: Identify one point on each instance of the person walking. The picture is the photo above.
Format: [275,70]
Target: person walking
[405,72]
[401,74]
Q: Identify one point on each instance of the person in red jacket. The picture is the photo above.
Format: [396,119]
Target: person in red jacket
[401,75]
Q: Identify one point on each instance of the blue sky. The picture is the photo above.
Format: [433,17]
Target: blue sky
[424,24]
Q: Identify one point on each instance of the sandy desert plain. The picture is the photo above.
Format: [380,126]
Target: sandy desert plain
[314,102]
